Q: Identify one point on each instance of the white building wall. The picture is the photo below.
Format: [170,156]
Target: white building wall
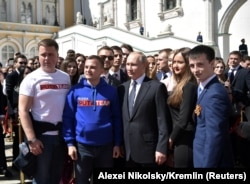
[183,32]
[240,27]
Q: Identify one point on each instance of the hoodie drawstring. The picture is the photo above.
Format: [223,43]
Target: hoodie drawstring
[94,98]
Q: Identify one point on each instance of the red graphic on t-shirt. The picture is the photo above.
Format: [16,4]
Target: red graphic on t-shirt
[54,86]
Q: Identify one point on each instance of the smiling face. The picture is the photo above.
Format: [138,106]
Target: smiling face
[201,67]
[234,60]
[108,57]
[219,69]
[72,68]
[93,70]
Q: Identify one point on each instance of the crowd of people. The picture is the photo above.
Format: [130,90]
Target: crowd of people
[179,108]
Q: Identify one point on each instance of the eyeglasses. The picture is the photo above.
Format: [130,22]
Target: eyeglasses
[116,55]
[103,57]
[23,63]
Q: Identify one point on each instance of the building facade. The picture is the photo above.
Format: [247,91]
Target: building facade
[23,23]
[166,24]
[148,25]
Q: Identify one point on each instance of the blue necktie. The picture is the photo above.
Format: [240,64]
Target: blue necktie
[131,98]
[199,91]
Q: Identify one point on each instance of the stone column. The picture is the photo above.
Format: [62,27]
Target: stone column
[178,3]
[209,38]
[101,22]
[224,45]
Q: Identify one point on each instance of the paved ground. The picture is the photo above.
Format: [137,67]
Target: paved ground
[16,175]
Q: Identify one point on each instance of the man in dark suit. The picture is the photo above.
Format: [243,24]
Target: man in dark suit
[239,79]
[13,81]
[115,69]
[107,55]
[145,115]
[243,48]
[162,64]
[3,104]
[212,145]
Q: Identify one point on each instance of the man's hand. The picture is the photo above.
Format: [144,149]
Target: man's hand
[36,147]
[116,152]
[72,152]
[160,158]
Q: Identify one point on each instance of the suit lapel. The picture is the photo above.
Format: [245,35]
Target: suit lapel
[214,80]
[237,74]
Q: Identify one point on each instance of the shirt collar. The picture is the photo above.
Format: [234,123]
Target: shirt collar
[139,80]
[204,83]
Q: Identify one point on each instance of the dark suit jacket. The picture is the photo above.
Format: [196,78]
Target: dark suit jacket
[212,145]
[123,76]
[241,86]
[3,101]
[13,81]
[182,117]
[146,131]
[113,81]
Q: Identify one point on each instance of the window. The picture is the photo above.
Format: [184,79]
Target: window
[33,52]
[133,10]
[170,9]
[3,14]
[169,4]
[26,13]
[7,52]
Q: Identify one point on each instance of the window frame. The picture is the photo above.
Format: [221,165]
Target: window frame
[165,13]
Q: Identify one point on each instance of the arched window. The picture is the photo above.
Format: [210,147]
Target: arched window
[3,7]
[33,52]
[7,52]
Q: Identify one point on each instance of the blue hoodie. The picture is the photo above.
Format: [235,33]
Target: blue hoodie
[92,115]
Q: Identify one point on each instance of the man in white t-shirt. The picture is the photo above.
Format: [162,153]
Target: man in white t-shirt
[43,93]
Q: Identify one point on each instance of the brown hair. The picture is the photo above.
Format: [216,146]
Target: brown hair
[175,98]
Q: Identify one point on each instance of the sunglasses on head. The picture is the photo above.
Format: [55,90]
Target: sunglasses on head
[104,57]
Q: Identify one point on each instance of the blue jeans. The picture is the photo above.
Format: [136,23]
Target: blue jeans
[90,157]
[50,163]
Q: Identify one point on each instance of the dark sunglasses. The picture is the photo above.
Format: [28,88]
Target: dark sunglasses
[103,57]
[23,63]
